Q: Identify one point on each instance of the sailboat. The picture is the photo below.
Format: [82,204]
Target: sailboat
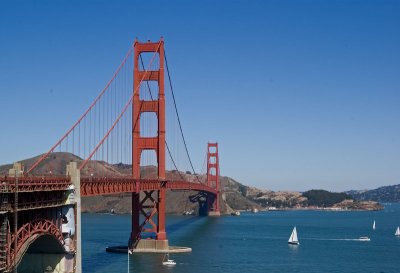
[397,231]
[373,225]
[129,253]
[293,238]
[168,262]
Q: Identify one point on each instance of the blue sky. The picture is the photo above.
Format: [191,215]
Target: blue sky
[299,94]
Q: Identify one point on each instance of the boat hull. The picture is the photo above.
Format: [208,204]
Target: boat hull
[294,243]
[169,263]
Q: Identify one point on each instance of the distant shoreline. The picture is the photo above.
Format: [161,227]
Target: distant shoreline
[329,209]
[317,209]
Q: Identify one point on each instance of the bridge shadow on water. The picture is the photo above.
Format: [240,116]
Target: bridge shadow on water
[193,224]
[182,224]
[190,228]
[183,231]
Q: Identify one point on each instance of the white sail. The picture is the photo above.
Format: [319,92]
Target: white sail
[168,261]
[397,231]
[373,225]
[293,236]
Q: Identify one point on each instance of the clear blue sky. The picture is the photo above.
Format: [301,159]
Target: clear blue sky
[299,94]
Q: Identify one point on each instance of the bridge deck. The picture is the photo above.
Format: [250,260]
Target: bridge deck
[97,186]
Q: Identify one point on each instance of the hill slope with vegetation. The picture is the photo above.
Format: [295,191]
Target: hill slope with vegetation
[177,202]
[235,196]
[322,198]
[386,194]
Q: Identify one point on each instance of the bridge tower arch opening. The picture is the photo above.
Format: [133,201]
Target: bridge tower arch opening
[148,208]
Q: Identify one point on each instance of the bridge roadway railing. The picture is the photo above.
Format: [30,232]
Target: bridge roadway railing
[107,185]
[91,186]
[34,183]
[33,192]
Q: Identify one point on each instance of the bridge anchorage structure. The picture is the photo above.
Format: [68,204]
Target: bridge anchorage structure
[34,225]
[40,210]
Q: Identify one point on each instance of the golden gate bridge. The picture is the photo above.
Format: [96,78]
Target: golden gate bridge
[133,122]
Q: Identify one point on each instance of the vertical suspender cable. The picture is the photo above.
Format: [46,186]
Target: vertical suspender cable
[177,114]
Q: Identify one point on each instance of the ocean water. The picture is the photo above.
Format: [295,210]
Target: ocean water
[254,243]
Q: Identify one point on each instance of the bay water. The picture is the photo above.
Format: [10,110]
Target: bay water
[254,242]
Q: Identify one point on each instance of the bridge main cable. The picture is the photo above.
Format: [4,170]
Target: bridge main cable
[179,120]
[85,113]
[120,115]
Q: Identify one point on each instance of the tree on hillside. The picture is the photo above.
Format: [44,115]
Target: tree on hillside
[322,198]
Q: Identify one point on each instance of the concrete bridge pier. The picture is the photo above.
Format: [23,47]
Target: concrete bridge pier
[75,174]
[40,231]
[207,204]
[214,213]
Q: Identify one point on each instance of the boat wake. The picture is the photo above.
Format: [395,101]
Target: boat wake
[335,239]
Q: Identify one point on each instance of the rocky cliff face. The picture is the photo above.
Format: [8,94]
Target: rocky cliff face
[358,205]
[279,199]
